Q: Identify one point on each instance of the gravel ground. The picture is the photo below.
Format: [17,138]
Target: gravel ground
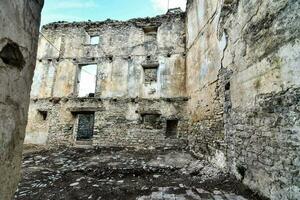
[114,173]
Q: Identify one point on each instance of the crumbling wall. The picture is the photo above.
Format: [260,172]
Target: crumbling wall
[254,86]
[124,50]
[204,81]
[140,71]
[18,45]
[263,123]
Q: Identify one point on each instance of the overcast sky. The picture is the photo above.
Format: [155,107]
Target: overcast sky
[98,10]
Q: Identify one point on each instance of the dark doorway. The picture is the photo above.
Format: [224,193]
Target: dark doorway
[171,128]
[85,128]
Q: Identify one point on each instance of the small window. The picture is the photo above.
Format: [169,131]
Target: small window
[151,120]
[171,128]
[150,30]
[43,114]
[150,33]
[150,73]
[94,40]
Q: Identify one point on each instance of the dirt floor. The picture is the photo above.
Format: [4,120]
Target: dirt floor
[112,173]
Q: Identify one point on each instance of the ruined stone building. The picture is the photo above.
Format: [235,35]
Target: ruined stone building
[220,79]
[110,83]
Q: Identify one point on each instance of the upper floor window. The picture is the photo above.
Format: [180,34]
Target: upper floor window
[94,40]
[150,33]
[150,72]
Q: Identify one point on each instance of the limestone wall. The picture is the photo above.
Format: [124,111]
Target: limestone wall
[262,123]
[19,21]
[247,83]
[204,54]
[124,51]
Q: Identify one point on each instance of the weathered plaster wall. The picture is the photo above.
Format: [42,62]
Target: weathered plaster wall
[121,91]
[262,124]
[204,55]
[250,88]
[120,55]
[19,22]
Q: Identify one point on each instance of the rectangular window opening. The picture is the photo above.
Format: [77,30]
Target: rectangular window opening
[150,73]
[151,120]
[94,40]
[150,30]
[171,129]
[85,126]
[87,77]
[150,33]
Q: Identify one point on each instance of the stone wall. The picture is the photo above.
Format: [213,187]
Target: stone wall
[204,80]
[123,50]
[18,46]
[239,67]
[118,122]
[262,124]
[247,119]
[125,90]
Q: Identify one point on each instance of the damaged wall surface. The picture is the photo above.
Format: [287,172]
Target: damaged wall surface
[244,58]
[223,77]
[20,22]
[139,76]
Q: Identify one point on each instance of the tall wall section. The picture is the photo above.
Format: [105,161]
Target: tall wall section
[245,55]
[19,20]
[123,98]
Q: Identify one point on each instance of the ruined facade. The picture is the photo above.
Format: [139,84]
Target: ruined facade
[20,22]
[136,74]
[220,79]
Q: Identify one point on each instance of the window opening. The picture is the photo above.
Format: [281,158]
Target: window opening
[150,73]
[87,80]
[94,40]
[43,114]
[171,128]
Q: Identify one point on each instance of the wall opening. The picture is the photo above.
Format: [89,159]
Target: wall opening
[171,129]
[87,77]
[150,73]
[84,125]
[94,40]
[11,55]
[150,33]
[151,120]
[227,86]
[43,114]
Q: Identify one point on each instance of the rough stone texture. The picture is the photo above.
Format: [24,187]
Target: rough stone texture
[127,87]
[205,80]
[19,21]
[110,173]
[246,118]
[118,122]
[240,73]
